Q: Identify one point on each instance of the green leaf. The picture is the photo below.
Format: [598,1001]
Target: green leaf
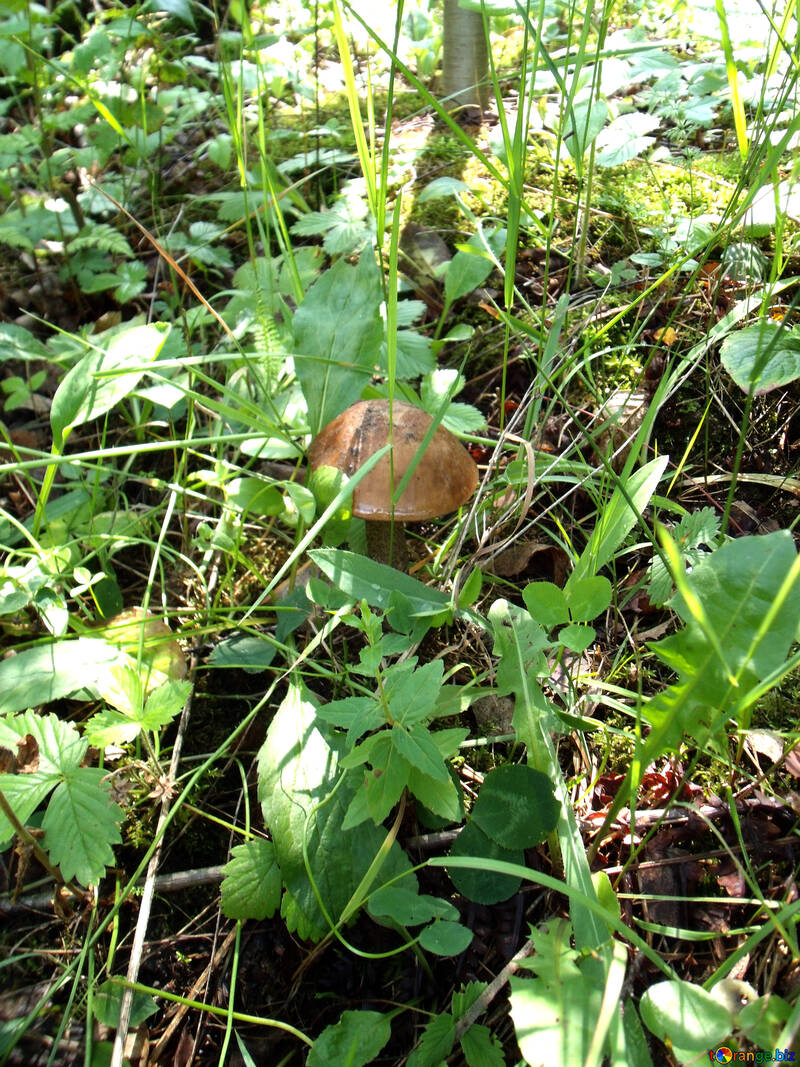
[338,334]
[298,766]
[686,1015]
[354,1041]
[102,378]
[587,597]
[251,884]
[587,120]
[442,798]
[617,519]
[417,749]
[48,672]
[763,356]
[411,696]
[576,638]
[246,652]
[407,908]
[445,938]
[625,138]
[364,579]
[546,603]
[108,1000]
[519,642]
[515,806]
[80,825]
[355,714]
[724,648]
[469,269]
[436,1042]
[558,1010]
[482,1048]
[484,886]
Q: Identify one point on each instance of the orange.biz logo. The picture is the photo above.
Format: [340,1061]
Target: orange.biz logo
[725,1055]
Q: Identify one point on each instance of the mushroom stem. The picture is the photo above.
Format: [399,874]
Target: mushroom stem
[386,543]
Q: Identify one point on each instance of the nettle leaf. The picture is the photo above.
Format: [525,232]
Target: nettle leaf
[516,806]
[103,377]
[251,883]
[355,1040]
[81,824]
[338,333]
[763,356]
[298,766]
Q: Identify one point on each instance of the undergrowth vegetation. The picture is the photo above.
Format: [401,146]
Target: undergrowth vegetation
[263,797]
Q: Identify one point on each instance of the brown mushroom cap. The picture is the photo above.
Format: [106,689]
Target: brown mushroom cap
[444,478]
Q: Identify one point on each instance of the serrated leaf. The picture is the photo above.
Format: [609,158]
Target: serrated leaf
[81,824]
[516,806]
[354,1041]
[442,798]
[102,378]
[338,334]
[436,1042]
[411,696]
[357,715]
[482,1048]
[251,884]
[417,749]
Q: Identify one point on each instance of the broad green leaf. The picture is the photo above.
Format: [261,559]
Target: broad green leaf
[617,519]
[442,798]
[107,1001]
[763,1019]
[484,886]
[81,824]
[762,356]
[355,714]
[515,806]
[24,793]
[546,603]
[246,652]
[558,1010]
[588,597]
[48,672]
[519,642]
[407,908]
[298,766]
[251,883]
[625,138]
[364,579]
[445,938]
[102,378]
[338,334]
[354,1041]
[576,637]
[469,269]
[586,121]
[252,496]
[685,1015]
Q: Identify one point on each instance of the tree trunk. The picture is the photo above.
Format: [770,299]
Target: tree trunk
[466,59]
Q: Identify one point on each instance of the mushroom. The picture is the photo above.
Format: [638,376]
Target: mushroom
[444,478]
